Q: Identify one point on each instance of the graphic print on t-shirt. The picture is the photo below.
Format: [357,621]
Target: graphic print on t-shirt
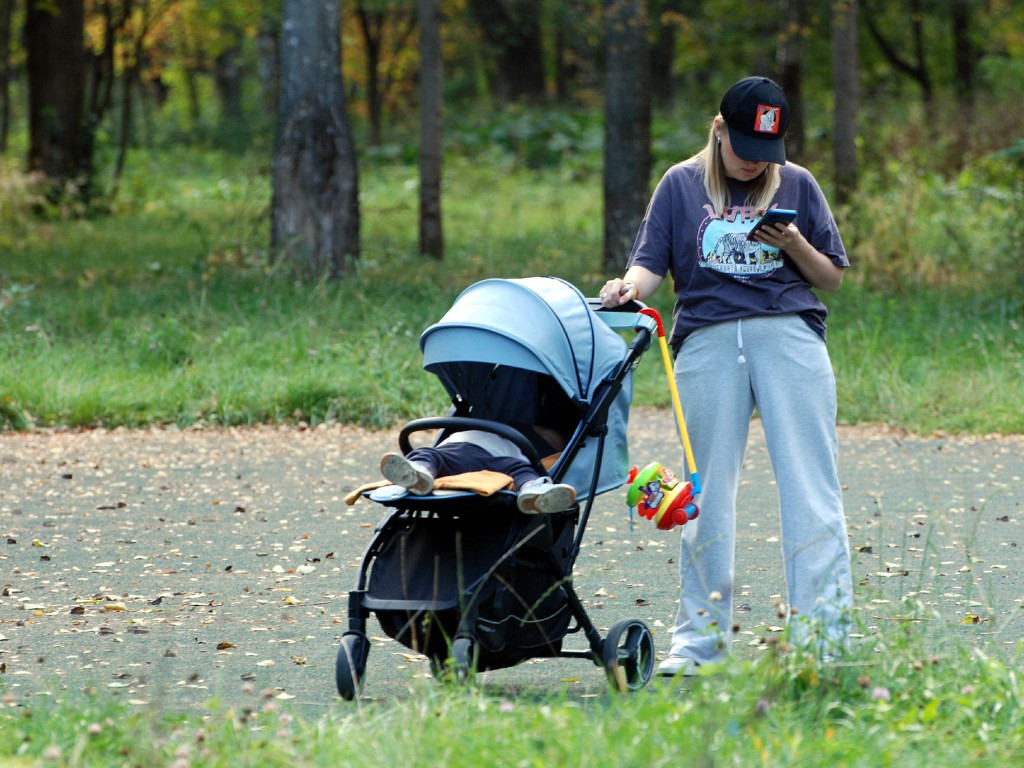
[722,245]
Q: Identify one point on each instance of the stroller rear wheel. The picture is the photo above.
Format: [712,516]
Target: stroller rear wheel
[628,655]
[351,665]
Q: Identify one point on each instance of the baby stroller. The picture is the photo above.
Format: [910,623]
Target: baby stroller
[469,580]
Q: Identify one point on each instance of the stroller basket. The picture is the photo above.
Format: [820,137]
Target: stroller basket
[469,561]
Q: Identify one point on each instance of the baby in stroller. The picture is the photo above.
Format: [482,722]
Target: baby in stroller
[473,450]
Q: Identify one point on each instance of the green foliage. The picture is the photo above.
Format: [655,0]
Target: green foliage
[534,139]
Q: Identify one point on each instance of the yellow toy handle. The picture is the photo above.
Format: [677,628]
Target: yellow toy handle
[680,421]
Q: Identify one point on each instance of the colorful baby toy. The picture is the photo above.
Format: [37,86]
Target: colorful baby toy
[659,496]
[655,491]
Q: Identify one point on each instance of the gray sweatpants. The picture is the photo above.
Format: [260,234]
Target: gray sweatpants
[781,367]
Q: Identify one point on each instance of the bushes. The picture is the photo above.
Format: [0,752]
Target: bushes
[923,231]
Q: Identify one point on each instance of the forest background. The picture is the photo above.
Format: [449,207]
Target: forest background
[145,265]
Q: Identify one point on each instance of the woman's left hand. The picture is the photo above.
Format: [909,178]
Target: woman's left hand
[781,236]
[816,267]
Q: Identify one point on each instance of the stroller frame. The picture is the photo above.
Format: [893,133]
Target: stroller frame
[544,546]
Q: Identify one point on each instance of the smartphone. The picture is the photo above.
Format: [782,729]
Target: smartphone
[774,216]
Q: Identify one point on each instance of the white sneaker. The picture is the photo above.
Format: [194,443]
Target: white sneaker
[678,665]
[541,496]
[400,471]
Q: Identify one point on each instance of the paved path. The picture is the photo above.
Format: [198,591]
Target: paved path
[174,567]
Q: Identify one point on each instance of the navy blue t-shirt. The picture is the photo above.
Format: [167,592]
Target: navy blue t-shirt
[718,274]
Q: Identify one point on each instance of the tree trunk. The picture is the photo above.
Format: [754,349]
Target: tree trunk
[129,82]
[560,69]
[6,20]
[965,55]
[627,143]
[60,141]
[267,60]
[663,49]
[847,97]
[789,57]
[965,59]
[370,24]
[100,90]
[574,50]
[394,23]
[512,30]
[315,208]
[431,128]
[917,68]
[227,74]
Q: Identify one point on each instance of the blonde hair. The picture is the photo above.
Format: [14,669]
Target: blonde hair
[709,161]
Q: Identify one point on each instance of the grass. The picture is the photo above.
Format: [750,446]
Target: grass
[904,706]
[147,317]
[929,363]
[169,313]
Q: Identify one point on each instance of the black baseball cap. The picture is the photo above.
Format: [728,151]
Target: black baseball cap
[757,114]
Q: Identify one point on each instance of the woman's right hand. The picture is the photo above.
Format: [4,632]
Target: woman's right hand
[617,292]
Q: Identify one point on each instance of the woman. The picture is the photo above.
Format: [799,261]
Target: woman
[749,332]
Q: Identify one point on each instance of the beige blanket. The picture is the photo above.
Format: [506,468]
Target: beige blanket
[484,482]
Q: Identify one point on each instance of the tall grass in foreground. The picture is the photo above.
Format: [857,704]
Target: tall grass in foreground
[898,706]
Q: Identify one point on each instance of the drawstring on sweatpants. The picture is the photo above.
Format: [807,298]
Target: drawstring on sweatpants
[739,341]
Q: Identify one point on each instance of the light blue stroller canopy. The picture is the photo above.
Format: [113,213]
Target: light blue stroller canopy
[500,341]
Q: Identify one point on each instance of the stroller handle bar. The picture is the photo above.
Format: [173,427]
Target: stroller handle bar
[629,315]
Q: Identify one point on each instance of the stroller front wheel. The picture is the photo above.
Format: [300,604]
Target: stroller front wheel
[463,662]
[628,655]
[351,664]
[460,665]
